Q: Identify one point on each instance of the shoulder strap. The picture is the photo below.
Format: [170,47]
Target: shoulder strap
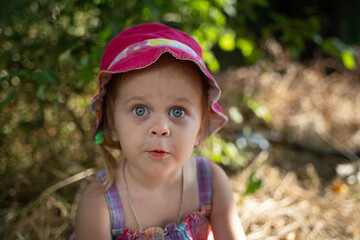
[204,181]
[117,215]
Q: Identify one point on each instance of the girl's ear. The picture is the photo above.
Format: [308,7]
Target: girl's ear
[114,135]
[198,138]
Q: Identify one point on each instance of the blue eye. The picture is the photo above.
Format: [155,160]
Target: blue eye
[140,111]
[177,112]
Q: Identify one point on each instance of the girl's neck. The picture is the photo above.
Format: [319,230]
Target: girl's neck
[148,182]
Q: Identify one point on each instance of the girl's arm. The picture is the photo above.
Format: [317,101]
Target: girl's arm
[92,217]
[225,222]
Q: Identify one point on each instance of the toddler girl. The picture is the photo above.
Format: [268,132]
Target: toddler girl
[156,102]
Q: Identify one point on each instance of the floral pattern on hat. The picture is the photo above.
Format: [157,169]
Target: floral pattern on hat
[152,43]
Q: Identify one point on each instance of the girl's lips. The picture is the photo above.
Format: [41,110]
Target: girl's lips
[158,153]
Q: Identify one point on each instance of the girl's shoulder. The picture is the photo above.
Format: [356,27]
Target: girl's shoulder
[217,173]
[93,192]
[224,219]
[92,218]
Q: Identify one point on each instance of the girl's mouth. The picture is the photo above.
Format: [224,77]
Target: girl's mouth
[158,153]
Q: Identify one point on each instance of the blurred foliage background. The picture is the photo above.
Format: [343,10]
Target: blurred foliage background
[50,54]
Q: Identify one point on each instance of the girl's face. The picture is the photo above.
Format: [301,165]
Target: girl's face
[157,116]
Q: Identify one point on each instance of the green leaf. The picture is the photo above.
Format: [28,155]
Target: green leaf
[348,59]
[227,42]
[263,3]
[87,75]
[254,183]
[214,65]
[236,115]
[219,18]
[231,150]
[211,34]
[45,77]
[40,92]
[105,34]
[211,61]
[246,46]
[65,56]
[260,110]
[9,97]
[295,53]
[200,5]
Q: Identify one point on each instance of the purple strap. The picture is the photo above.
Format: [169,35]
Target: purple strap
[204,181]
[117,215]
[114,202]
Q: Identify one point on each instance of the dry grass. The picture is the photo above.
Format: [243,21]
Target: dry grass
[48,216]
[307,105]
[316,108]
[285,208]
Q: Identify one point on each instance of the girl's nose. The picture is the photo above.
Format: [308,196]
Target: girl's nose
[160,129]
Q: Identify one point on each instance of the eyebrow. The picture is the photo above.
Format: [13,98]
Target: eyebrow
[185,100]
[134,98]
[142,98]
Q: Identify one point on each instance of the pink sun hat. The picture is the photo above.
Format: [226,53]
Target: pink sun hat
[140,46]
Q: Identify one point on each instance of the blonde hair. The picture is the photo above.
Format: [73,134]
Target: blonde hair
[108,121]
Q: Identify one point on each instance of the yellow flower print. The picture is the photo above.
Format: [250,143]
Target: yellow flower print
[156,42]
